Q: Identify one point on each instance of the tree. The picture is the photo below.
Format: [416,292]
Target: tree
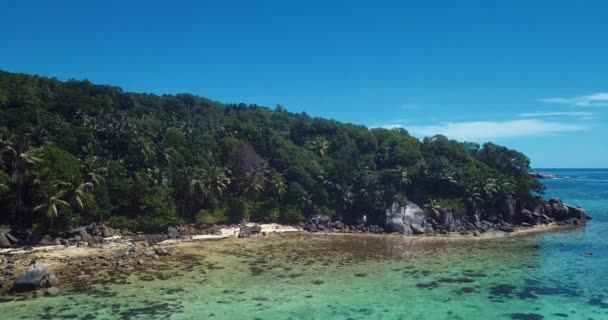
[402,177]
[433,208]
[320,146]
[137,157]
[277,184]
[21,159]
[217,179]
[253,185]
[52,203]
[77,193]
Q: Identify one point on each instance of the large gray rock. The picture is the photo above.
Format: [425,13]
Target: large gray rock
[173,233]
[36,276]
[82,232]
[416,228]
[401,218]
[47,240]
[249,231]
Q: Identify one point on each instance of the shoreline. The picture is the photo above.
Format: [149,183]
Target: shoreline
[118,242]
[90,264]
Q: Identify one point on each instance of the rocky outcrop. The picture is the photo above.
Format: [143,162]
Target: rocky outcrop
[6,239]
[36,276]
[540,175]
[318,223]
[82,233]
[560,212]
[402,218]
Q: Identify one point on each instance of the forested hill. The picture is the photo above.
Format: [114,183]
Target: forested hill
[74,152]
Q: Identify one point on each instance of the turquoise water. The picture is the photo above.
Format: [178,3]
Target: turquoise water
[542,276]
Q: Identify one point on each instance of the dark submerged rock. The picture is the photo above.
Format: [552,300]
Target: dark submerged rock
[36,276]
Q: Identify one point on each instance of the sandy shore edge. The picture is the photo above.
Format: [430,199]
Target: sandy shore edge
[117,243]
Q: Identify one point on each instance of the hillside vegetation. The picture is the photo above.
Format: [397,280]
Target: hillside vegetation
[74,152]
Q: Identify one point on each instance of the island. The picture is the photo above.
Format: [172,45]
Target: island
[85,164]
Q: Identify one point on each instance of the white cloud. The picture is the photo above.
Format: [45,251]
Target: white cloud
[592,100]
[483,130]
[580,115]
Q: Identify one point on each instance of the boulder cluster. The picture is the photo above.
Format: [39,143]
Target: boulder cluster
[410,219]
[323,223]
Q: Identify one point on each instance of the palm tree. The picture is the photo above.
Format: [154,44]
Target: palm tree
[346,197]
[489,188]
[141,148]
[505,189]
[76,194]
[320,145]
[253,185]
[195,187]
[402,177]
[51,204]
[277,184]
[217,179]
[81,192]
[306,200]
[449,178]
[473,196]
[21,160]
[433,208]
[95,171]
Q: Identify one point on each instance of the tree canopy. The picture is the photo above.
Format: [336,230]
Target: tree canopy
[75,152]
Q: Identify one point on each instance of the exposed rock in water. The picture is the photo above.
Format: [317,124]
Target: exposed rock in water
[36,276]
[246,232]
[401,218]
[53,291]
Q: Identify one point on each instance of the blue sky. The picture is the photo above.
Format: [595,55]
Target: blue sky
[531,75]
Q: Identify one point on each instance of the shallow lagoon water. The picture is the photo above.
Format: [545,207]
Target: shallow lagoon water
[541,276]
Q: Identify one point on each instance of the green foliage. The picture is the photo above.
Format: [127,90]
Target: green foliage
[144,161]
[239,210]
[58,165]
[456,204]
[212,216]
[291,215]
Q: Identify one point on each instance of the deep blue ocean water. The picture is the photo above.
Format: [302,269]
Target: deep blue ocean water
[553,275]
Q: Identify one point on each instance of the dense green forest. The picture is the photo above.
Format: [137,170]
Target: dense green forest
[74,152]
